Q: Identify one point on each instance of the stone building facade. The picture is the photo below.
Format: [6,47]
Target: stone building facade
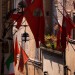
[49,10]
[6,6]
[6,32]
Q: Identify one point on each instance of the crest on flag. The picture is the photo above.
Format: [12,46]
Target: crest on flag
[37,12]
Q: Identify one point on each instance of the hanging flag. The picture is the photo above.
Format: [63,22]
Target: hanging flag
[23,59]
[18,18]
[10,64]
[69,25]
[34,15]
[28,2]
[42,23]
[16,51]
[63,35]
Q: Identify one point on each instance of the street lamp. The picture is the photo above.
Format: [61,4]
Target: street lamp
[25,36]
[21,6]
[45,73]
[25,41]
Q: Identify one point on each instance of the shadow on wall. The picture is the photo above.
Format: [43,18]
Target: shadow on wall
[53,63]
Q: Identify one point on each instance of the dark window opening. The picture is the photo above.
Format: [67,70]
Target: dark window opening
[47,13]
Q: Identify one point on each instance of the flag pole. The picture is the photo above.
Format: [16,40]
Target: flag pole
[64,52]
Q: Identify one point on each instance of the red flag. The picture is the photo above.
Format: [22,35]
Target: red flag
[18,18]
[23,59]
[35,17]
[59,37]
[69,25]
[28,2]
[16,51]
[42,24]
[63,35]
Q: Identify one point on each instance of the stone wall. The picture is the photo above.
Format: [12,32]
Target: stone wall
[52,64]
[70,49]
[70,58]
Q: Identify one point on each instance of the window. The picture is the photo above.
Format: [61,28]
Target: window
[47,13]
